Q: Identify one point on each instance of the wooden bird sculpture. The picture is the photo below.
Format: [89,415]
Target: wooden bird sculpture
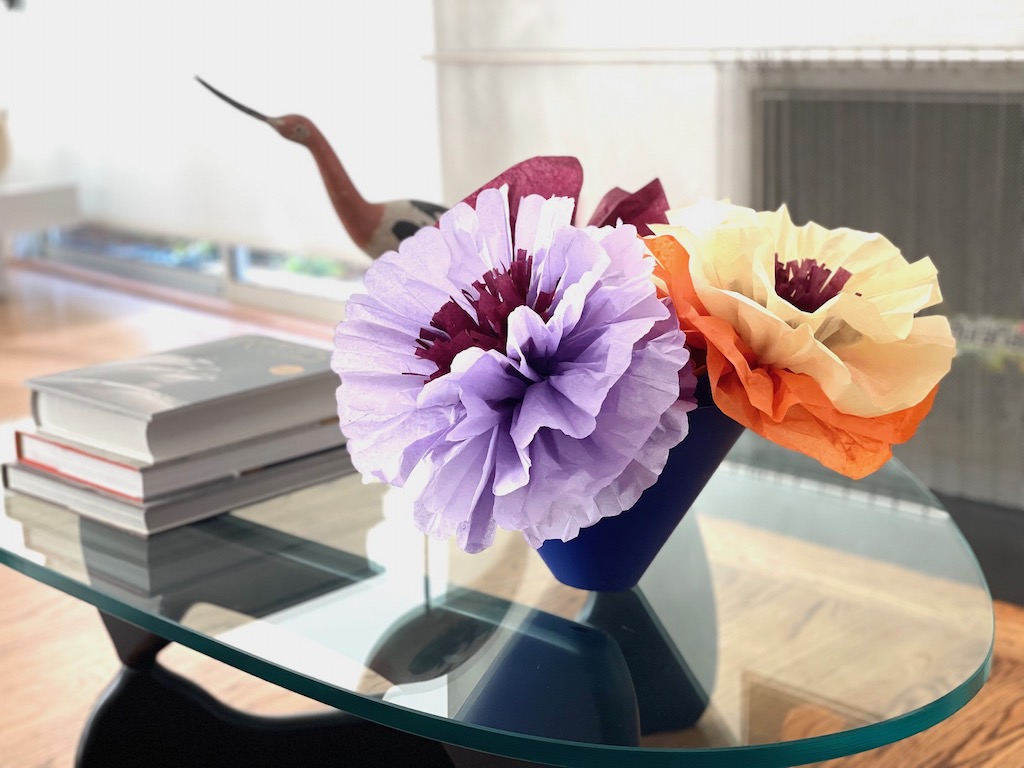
[375,227]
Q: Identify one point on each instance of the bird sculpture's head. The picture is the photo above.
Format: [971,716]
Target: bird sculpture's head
[294,128]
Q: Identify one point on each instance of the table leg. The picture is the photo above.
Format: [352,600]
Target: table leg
[153,717]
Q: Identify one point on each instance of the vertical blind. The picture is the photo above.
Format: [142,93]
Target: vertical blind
[941,174]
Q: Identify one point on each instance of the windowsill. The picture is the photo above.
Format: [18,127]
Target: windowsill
[279,321]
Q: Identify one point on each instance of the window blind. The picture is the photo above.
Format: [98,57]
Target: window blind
[940,173]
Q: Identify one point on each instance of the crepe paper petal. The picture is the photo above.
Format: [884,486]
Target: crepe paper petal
[622,440]
[792,410]
[641,208]
[788,407]
[862,344]
[545,175]
[523,375]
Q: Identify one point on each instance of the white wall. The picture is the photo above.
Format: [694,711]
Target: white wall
[602,114]
[103,92]
[685,24]
[626,85]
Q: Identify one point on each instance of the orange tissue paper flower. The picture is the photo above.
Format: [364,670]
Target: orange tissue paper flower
[810,336]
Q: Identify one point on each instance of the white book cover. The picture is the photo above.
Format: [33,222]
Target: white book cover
[148,386]
[167,405]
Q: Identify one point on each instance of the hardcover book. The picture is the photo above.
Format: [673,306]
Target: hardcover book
[170,511]
[140,480]
[171,404]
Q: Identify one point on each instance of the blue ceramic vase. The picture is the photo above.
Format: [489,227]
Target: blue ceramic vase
[615,552]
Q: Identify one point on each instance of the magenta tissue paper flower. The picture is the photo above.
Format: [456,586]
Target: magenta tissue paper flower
[527,380]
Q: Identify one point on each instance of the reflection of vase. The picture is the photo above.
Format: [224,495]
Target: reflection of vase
[5,143]
[670,696]
[614,553]
[557,679]
[438,638]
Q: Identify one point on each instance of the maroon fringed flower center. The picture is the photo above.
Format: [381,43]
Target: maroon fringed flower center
[453,328]
[806,284]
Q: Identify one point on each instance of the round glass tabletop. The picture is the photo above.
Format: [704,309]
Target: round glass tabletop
[793,616]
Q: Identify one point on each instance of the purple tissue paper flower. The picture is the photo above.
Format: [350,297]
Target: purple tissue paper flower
[530,382]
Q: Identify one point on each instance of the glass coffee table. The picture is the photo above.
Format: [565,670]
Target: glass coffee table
[793,617]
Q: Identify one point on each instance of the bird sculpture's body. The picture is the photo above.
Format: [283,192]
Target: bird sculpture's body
[375,227]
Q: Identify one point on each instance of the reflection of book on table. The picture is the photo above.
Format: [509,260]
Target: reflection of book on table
[162,406]
[138,480]
[171,510]
[226,561]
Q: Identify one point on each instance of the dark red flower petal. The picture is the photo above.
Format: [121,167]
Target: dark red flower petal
[645,206]
[806,284]
[547,176]
[453,329]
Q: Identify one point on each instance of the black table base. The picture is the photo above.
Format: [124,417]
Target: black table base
[151,716]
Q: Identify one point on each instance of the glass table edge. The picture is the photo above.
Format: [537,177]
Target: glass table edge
[521,746]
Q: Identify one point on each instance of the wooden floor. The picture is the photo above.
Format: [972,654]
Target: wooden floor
[55,657]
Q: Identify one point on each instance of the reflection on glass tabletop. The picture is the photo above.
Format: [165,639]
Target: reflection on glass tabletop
[794,616]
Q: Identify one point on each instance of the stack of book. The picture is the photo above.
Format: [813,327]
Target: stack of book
[154,442]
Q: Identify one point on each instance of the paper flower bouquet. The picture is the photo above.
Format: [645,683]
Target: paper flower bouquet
[516,370]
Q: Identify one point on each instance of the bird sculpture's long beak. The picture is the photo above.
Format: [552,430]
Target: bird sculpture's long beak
[233,103]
